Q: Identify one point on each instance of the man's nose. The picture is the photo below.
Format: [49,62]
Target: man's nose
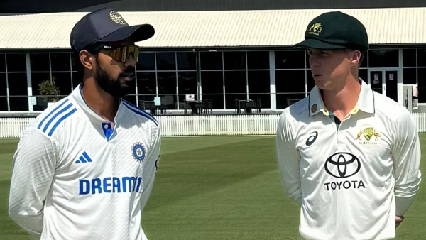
[130,62]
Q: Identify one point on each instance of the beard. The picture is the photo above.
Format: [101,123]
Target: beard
[113,86]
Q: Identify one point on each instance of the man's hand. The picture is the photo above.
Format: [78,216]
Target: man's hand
[398,220]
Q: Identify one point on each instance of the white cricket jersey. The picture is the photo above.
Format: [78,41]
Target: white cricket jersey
[352,178]
[77,178]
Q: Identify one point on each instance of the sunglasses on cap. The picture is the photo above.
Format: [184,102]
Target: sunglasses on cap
[122,53]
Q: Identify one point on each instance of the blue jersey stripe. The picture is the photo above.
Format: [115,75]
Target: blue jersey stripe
[140,112]
[51,112]
[55,116]
[61,119]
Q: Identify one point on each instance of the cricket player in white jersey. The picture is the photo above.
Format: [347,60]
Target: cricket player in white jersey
[348,155]
[84,169]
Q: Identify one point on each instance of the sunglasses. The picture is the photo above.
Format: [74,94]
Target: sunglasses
[122,53]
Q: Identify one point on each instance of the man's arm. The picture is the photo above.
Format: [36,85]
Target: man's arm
[151,168]
[406,156]
[288,160]
[33,168]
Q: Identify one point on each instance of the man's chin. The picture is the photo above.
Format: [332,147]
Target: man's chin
[321,84]
[126,79]
[125,90]
[118,91]
[119,94]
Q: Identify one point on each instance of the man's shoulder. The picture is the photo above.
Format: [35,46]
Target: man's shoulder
[297,110]
[388,108]
[139,115]
[295,116]
[55,116]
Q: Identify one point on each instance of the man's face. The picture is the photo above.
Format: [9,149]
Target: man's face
[112,76]
[330,67]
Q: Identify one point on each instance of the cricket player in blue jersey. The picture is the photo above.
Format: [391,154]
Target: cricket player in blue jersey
[84,169]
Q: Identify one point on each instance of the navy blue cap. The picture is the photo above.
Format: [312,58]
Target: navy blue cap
[103,26]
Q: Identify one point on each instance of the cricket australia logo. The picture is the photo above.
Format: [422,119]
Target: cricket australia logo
[368,136]
[138,152]
[315,29]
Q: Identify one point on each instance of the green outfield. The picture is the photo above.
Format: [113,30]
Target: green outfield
[215,188]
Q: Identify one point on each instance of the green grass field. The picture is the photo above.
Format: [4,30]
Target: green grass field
[215,188]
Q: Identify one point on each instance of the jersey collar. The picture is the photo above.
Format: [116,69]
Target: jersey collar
[365,102]
[77,95]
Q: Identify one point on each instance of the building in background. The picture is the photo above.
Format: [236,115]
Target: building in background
[223,52]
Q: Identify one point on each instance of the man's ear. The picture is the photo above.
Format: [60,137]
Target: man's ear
[356,57]
[87,59]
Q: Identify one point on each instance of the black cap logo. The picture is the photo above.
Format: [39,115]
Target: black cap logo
[315,29]
[117,18]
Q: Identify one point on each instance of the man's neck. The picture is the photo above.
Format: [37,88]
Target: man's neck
[99,101]
[343,100]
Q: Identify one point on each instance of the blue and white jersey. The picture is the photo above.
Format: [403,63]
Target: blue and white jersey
[76,177]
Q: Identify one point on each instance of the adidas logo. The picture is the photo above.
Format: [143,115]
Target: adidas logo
[84,158]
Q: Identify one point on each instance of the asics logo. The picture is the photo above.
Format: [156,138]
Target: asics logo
[311,139]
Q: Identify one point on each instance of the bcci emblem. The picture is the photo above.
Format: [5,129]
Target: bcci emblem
[117,18]
[138,152]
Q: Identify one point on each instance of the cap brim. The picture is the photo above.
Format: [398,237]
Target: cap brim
[135,33]
[314,43]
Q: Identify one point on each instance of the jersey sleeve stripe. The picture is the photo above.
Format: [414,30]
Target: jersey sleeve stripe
[51,112]
[60,120]
[55,116]
[139,112]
